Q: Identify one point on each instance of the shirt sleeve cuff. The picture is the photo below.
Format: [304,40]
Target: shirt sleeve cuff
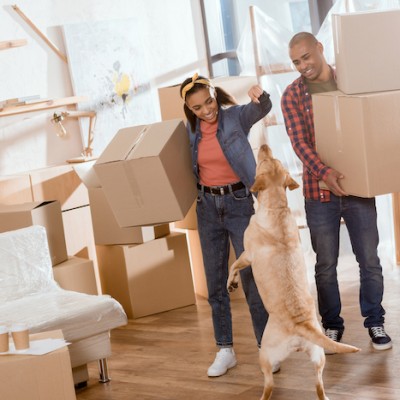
[324,173]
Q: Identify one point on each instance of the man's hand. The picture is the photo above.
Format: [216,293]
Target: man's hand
[332,181]
[255,92]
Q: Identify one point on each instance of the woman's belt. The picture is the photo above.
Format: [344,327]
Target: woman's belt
[221,190]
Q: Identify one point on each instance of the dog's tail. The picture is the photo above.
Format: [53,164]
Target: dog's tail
[309,332]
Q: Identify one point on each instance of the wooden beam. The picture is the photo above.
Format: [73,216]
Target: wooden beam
[40,33]
[42,105]
[256,53]
[8,44]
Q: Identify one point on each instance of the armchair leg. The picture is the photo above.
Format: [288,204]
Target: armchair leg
[103,369]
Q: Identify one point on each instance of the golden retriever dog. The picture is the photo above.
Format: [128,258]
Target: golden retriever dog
[272,247]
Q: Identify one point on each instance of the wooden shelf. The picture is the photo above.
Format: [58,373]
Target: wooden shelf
[45,105]
[8,44]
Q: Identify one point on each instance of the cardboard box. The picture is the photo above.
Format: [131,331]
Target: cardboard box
[146,174]
[171,103]
[359,135]
[15,189]
[45,377]
[106,229]
[47,214]
[60,183]
[148,278]
[190,220]
[365,43]
[79,237]
[76,274]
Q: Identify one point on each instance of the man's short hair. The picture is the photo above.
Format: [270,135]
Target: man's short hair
[302,36]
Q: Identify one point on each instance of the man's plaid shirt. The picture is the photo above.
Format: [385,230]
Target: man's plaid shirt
[298,114]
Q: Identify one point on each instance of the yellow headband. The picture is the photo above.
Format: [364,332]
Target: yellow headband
[194,81]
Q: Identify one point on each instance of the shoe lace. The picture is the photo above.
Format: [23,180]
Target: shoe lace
[378,331]
[332,334]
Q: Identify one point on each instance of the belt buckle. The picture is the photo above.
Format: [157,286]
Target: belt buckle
[221,191]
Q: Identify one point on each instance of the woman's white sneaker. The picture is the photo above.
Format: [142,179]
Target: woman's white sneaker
[224,360]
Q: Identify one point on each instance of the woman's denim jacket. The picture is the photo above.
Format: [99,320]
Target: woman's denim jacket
[234,125]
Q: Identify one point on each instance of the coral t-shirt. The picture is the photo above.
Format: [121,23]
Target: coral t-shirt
[214,169]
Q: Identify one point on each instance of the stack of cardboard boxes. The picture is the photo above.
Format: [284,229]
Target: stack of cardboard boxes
[79,271]
[55,198]
[111,234]
[357,128]
[140,183]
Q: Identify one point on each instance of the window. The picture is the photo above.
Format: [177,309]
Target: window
[220,32]
[300,15]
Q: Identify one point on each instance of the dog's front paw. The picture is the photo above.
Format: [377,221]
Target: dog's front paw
[232,287]
[233,283]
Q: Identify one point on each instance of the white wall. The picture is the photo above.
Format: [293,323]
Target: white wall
[171,31]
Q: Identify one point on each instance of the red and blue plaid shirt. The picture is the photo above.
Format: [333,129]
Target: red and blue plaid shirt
[298,114]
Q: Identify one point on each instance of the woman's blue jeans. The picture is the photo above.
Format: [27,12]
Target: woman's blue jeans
[359,215]
[221,218]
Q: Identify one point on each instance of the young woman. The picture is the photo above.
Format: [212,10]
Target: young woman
[224,166]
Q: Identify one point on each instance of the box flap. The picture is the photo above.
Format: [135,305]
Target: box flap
[126,144]
[87,174]
[121,145]
[151,139]
[23,206]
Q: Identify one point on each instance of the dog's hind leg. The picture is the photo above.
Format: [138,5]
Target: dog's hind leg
[266,367]
[275,347]
[317,356]
[233,278]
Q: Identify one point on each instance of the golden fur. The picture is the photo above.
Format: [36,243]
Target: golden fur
[273,249]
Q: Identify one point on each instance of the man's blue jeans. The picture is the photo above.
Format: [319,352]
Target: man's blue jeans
[221,218]
[359,215]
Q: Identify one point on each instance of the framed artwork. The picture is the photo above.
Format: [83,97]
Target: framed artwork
[107,63]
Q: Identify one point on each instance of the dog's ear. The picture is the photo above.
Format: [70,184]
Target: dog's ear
[291,183]
[259,184]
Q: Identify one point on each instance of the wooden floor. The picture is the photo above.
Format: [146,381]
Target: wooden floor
[166,356]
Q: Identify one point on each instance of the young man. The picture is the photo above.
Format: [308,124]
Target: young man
[325,208]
